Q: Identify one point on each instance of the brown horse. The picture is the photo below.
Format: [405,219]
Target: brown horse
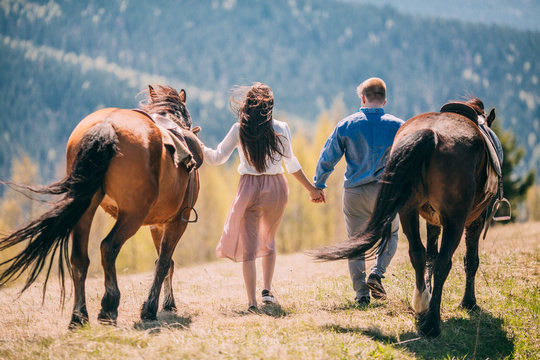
[116,158]
[438,168]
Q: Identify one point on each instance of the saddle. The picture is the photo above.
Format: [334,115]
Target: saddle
[493,144]
[494,184]
[184,145]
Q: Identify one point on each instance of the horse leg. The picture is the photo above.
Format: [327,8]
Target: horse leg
[472,234]
[168,296]
[433,232]
[417,254]
[171,235]
[80,262]
[429,325]
[126,226]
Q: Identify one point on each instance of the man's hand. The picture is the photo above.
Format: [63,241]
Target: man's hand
[317,195]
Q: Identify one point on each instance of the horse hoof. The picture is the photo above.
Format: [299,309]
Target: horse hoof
[77,323]
[469,306]
[107,322]
[106,319]
[149,312]
[428,326]
[169,308]
[433,334]
[78,319]
[429,331]
[148,317]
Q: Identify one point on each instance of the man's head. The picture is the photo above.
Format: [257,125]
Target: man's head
[372,92]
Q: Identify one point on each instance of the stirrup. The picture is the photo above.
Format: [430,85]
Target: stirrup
[496,207]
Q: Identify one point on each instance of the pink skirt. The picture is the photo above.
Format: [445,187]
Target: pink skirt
[254,218]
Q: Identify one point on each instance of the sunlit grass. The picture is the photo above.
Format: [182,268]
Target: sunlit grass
[316,319]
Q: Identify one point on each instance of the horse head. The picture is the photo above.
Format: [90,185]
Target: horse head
[478,106]
[169,103]
[491,117]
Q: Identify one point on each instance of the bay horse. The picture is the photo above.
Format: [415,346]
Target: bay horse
[438,168]
[116,159]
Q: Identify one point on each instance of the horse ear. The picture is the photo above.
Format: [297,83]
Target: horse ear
[151,92]
[490,117]
[182,95]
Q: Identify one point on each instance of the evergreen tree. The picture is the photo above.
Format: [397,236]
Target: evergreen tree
[515,186]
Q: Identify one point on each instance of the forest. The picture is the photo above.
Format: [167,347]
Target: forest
[61,60]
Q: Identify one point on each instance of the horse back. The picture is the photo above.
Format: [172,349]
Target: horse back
[142,176]
[453,177]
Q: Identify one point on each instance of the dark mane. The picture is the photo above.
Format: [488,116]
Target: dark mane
[476,104]
[166,100]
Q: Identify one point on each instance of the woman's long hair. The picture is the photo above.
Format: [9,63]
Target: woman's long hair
[260,143]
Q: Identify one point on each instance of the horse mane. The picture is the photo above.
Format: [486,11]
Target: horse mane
[476,104]
[163,100]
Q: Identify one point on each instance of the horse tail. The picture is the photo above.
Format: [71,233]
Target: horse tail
[49,234]
[402,173]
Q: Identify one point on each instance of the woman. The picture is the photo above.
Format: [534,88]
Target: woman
[258,207]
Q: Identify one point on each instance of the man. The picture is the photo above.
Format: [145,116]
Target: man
[365,138]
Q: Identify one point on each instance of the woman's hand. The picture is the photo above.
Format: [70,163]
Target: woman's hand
[317,195]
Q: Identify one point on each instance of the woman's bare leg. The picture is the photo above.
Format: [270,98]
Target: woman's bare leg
[268,266]
[250,279]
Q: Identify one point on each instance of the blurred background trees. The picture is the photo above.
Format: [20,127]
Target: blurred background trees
[62,60]
[305,225]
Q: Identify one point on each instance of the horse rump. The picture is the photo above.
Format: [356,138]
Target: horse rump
[401,175]
[49,234]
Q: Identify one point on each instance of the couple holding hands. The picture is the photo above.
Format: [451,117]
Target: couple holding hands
[263,143]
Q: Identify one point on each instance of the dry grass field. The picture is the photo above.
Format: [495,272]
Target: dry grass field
[316,318]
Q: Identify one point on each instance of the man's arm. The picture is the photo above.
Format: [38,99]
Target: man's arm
[331,153]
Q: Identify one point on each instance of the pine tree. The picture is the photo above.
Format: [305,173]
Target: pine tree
[515,186]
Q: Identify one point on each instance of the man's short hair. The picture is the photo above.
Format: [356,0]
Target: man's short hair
[374,89]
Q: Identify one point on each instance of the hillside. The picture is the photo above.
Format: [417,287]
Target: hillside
[64,59]
[519,14]
[316,318]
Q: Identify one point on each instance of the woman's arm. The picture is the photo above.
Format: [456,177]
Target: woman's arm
[316,195]
[224,149]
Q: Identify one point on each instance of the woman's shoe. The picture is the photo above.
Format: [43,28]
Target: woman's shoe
[267,297]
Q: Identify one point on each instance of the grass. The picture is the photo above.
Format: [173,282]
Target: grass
[316,318]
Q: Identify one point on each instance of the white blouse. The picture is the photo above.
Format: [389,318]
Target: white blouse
[232,141]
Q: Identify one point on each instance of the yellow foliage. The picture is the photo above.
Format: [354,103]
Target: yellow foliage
[305,225]
[218,188]
[16,208]
[533,203]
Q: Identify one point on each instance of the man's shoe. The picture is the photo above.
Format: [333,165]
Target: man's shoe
[267,297]
[374,284]
[254,310]
[363,301]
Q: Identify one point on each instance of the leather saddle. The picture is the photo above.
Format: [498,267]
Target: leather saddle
[184,144]
[461,109]
[493,144]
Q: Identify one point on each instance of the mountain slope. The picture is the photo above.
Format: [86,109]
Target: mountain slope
[309,52]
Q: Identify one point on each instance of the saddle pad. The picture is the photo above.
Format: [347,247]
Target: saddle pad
[186,142]
[181,154]
[493,154]
[184,152]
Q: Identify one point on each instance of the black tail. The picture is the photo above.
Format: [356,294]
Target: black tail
[50,233]
[401,175]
